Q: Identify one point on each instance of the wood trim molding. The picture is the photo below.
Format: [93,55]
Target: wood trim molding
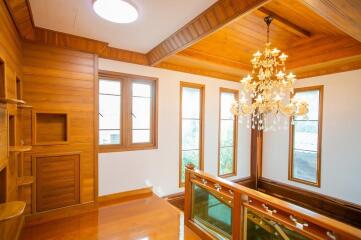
[235,92]
[126,120]
[212,19]
[335,208]
[125,195]
[345,15]
[201,87]
[21,15]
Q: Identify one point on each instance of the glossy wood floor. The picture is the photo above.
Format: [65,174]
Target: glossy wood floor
[147,218]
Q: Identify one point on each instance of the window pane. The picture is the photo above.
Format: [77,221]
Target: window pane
[109,137]
[191,103]
[142,90]
[227,133]
[226,160]
[312,98]
[109,112]
[306,135]
[305,165]
[226,103]
[141,113]
[190,134]
[109,87]
[140,136]
[189,157]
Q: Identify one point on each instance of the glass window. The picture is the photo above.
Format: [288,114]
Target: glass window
[305,136]
[191,127]
[109,112]
[227,134]
[127,112]
[141,112]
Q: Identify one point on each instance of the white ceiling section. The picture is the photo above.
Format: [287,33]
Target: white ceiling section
[158,19]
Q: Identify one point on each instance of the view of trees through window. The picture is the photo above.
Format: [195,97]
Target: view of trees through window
[191,100]
[227,133]
[305,139]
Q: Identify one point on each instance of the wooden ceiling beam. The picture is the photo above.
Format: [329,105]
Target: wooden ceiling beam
[21,15]
[212,19]
[282,22]
[343,14]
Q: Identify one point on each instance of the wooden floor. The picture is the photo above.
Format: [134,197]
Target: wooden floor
[147,218]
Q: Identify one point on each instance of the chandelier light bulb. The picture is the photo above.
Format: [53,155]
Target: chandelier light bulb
[268,88]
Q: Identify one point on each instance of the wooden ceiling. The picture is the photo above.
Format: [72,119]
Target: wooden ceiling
[320,37]
[313,44]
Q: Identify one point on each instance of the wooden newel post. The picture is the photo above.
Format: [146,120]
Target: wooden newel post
[188,193]
[237,217]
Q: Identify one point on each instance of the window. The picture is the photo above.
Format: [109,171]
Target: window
[305,139]
[227,150]
[191,127]
[127,112]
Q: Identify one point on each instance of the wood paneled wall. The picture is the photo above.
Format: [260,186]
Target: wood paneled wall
[11,55]
[61,81]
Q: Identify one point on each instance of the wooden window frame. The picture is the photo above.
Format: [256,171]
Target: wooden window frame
[126,112]
[235,134]
[319,140]
[201,87]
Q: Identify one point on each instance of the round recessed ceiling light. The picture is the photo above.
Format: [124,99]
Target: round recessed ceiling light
[117,11]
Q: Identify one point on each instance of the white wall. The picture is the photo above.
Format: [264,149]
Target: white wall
[125,171]
[341,139]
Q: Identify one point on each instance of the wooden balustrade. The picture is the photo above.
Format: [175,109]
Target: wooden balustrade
[242,199]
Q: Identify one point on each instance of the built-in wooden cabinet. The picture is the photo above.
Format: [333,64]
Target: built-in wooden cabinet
[57,180]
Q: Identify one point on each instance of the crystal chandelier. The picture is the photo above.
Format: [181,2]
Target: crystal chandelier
[268,90]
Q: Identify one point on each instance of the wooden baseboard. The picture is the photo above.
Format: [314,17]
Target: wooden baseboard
[79,209]
[332,207]
[59,213]
[126,195]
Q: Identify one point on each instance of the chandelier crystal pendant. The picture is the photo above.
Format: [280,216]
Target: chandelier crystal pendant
[268,90]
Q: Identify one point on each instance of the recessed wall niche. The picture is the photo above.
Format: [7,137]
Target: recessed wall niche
[2,79]
[3,185]
[18,89]
[50,128]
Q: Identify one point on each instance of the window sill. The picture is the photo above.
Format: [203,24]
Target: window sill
[313,184]
[117,148]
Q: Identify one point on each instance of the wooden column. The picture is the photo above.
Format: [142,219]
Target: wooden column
[256,155]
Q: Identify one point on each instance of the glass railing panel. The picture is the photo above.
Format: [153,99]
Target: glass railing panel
[259,227]
[211,212]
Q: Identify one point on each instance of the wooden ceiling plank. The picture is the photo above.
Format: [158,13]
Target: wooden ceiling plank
[343,14]
[225,11]
[299,31]
[208,57]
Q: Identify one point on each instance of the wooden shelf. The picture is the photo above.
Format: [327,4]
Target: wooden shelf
[19,148]
[11,100]
[26,180]
[11,210]
[24,106]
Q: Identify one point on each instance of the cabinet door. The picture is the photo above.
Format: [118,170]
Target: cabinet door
[57,181]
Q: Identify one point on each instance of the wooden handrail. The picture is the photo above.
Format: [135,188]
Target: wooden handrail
[304,221]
